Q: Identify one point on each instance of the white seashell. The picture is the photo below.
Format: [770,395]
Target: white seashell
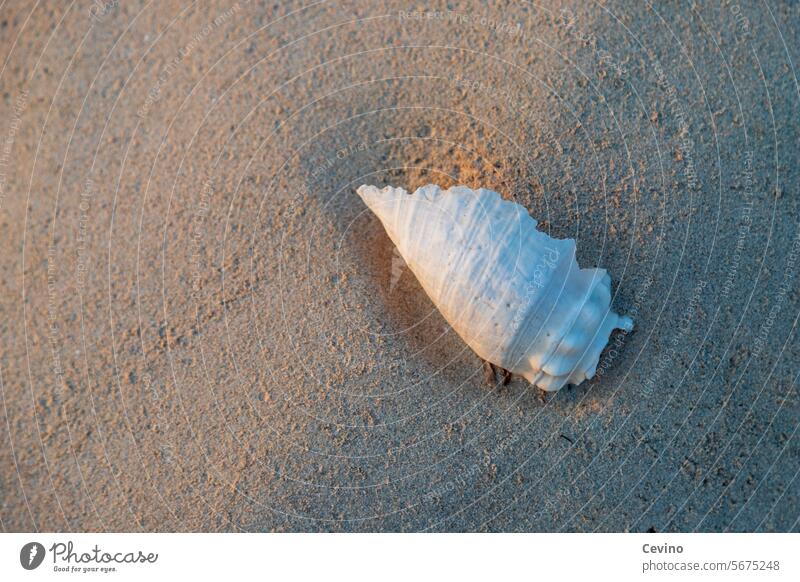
[516,296]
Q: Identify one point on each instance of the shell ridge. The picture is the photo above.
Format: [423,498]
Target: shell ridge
[573,319]
[491,259]
[462,200]
[449,283]
[535,307]
[485,276]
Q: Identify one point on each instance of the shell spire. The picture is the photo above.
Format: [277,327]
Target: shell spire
[516,296]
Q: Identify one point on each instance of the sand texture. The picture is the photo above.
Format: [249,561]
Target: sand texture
[203,328]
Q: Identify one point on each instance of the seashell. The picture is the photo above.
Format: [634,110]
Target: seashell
[516,296]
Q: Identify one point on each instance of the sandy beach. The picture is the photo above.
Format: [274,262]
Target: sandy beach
[203,328]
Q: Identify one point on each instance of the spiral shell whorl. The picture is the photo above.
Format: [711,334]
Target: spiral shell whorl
[516,296]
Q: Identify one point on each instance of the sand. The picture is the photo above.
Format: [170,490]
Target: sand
[204,329]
